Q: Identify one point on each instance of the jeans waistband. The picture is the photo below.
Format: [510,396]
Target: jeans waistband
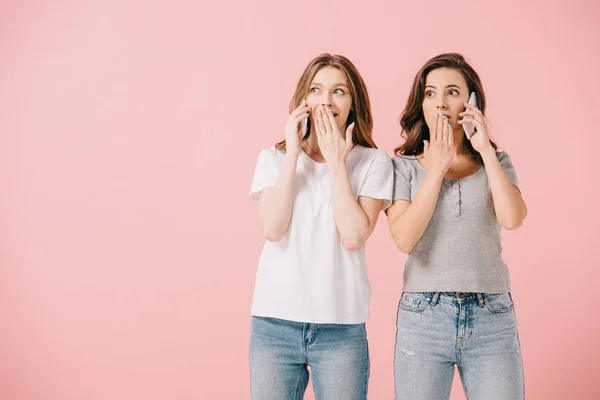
[459,297]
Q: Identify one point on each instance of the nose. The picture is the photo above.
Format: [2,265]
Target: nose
[441,103]
[326,99]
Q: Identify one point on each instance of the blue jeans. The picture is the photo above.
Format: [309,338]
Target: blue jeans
[281,351]
[477,332]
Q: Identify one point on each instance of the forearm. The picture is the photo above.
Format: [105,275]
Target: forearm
[508,203]
[276,208]
[351,221]
[408,227]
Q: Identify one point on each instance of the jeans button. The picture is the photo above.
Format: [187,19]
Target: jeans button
[461,296]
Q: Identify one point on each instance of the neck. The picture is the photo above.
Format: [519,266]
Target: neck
[460,149]
[311,148]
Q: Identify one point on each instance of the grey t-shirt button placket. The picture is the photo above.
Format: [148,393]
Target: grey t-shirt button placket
[456,197]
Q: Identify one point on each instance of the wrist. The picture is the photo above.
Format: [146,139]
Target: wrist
[489,153]
[436,174]
[292,155]
[336,165]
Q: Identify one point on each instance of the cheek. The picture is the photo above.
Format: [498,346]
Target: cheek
[429,112]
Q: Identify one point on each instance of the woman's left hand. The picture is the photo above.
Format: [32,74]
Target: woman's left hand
[480,140]
[331,143]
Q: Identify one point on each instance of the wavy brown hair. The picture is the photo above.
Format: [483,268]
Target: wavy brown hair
[360,111]
[412,120]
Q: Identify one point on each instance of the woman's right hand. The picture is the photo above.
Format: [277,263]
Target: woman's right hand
[293,135]
[440,152]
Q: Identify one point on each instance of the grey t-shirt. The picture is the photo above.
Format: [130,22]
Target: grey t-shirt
[460,250]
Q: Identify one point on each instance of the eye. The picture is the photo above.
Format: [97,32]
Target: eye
[314,89]
[453,92]
[339,91]
[429,93]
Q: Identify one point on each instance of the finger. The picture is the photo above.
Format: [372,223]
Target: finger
[471,107]
[425,147]
[444,137]
[471,113]
[302,104]
[349,139]
[450,136]
[440,129]
[300,109]
[318,123]
[331,120]
[433,133]
[325,120]
[301,116]
[471,120]
[474,109]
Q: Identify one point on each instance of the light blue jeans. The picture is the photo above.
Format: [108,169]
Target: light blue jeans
[477,332]
[281,351]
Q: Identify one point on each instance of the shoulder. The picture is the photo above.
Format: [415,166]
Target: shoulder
[365,157]
[502,155]
[404,162]
[369,153]
[270,154]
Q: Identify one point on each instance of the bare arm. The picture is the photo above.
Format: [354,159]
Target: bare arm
[276,202]
[354,219]
[508,203]
[408,221]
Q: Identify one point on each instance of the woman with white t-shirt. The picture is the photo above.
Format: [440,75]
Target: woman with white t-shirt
[320,190]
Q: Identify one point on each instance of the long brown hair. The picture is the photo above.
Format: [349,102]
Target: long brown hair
[412,120]
[361,106]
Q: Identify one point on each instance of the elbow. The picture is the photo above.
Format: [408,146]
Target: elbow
[514,221]
[403,245]
[406,249]
[512,224]
[273,235]
[354,243]
[352,246]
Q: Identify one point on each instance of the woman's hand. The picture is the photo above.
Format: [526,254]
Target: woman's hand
[333,146]
[293,135]
[480,140]
[439,153]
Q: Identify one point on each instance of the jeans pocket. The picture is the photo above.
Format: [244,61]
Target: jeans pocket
[413,301]
[498,303]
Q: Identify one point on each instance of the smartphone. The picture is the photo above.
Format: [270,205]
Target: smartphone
[467,126]
[304,123]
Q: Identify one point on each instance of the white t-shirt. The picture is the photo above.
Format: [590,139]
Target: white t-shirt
[308,276]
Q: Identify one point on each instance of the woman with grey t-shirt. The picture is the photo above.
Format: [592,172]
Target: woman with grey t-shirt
[452,195]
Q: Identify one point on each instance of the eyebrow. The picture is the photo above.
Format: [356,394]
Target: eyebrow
[449,86]
[337,84]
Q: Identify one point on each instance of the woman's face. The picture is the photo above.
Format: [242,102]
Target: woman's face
[445,91]
[330,87]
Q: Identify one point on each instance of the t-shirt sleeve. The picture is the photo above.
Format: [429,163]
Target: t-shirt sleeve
[265,174]
[508,168]
[379,181]
[401,179]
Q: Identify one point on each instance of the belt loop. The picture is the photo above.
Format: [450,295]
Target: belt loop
[480,299]
[434,298]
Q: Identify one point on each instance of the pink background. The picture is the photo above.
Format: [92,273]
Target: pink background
[129,132]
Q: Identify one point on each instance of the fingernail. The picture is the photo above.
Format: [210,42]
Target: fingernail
[449,126]
[445,118]
[436,116]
